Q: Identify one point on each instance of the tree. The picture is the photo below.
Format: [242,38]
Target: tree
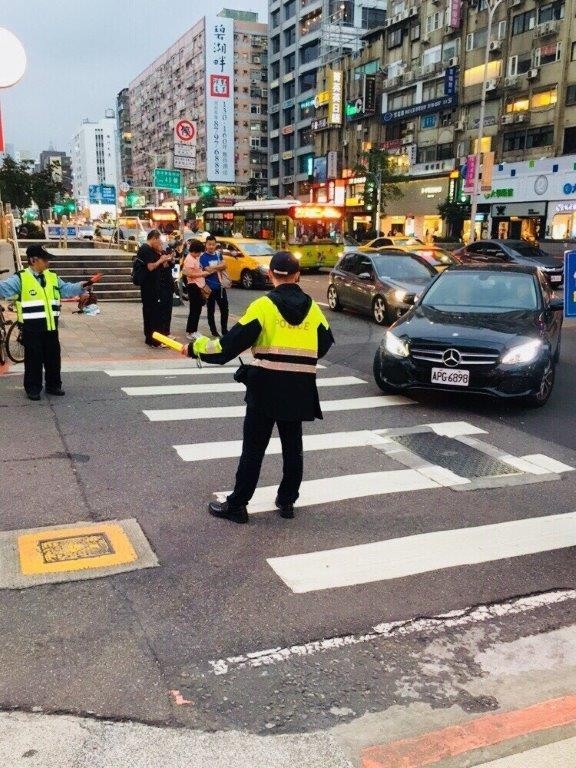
[252,189]
[454,213]
[208,196]
[378,163]
[46,190]
[15,183]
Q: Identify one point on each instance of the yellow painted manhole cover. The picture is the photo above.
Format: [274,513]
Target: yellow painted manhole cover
[74,549]
[72,552]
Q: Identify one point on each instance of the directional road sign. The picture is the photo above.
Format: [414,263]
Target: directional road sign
[103,194]
[570,283]
[165,178]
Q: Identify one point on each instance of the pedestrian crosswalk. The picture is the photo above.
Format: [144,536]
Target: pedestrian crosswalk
[351,425]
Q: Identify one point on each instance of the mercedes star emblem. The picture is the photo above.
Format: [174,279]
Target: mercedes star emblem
[451,358]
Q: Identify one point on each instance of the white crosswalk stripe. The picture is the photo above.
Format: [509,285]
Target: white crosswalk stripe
[238,411]
[212,387]
[190,370]
[411,555]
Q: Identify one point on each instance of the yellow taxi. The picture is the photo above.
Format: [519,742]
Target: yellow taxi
[247,261]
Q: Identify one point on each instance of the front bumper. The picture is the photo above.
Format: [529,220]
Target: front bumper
[504,381]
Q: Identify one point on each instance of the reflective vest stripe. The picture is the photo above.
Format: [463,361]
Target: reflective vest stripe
[34,316]
[277,365]
[292,351]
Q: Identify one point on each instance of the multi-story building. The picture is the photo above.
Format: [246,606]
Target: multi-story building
[124,129]
[94,156]
[61,166]
[215,75]
[415,91]
[304,35]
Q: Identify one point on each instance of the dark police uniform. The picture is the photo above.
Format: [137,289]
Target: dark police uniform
[288,333]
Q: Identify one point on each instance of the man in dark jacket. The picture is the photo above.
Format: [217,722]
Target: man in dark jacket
[156,286]
[288,334]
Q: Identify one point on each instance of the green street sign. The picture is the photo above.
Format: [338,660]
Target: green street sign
[167,179]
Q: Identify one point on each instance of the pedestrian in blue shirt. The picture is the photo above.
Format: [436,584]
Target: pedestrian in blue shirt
[38,291]
[213,261]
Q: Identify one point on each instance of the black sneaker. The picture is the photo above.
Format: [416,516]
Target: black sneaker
[223,510]
[286,510]
[56,392]
[32,395]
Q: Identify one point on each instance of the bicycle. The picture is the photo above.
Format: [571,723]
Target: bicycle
[10,336]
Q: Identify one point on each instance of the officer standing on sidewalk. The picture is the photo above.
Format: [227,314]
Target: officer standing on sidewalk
[38,291]
[288,334]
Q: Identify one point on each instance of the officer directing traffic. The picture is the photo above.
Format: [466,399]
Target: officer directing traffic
[288,334]
[38,291]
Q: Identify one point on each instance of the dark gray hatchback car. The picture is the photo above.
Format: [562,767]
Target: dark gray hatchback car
[382,284]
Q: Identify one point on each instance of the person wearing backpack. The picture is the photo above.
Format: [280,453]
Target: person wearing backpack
[152,273]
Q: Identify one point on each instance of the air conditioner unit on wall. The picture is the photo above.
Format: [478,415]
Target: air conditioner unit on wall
[523,117]
[511,82]
[461,125]
[453,62]
[495,45]
[491,85]
[532,74]
[507,119]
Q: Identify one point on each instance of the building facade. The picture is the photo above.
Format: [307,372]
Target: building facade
[215,75]
[61,165]
[94,157]
[124,135]
[304,36]
[414,90]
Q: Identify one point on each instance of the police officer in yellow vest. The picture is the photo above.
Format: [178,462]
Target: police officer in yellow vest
[287,333]
[38,292]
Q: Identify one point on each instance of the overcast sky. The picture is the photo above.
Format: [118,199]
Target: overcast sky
[81,53]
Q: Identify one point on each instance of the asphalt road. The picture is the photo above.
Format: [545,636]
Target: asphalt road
[117,646]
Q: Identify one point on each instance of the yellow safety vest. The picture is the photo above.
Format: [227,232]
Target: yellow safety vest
[37,306]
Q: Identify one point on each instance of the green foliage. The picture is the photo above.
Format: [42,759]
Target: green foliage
[454,213]
[252,189]
[46,190]
[15,183]
[378,164]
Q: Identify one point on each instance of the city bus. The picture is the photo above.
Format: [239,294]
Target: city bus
[311,231]
[164,219]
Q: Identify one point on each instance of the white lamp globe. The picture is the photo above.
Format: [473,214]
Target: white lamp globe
[12,59]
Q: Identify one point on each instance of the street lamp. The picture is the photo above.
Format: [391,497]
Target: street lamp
[492,6]
[12,59]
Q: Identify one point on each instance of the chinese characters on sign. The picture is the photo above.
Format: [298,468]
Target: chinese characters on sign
[455,13]
[470,174]
[335,83]
[220,99]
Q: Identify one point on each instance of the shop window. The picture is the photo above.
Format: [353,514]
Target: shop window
[523,22]
[571,95]
[543,99]
[394,38]
[519,105]
[540,137]
[475,75]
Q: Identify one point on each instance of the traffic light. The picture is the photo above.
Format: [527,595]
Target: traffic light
[70,206]
[131,199]
[206,189]
[58,209]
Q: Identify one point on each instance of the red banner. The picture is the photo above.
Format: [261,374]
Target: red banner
[470,173]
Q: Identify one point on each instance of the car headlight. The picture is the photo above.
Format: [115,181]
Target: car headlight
[400,295]
[523,353]
[395,346]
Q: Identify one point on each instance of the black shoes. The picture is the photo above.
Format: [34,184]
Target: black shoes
[286,510]
[56,392]
[33,395]
[223,510]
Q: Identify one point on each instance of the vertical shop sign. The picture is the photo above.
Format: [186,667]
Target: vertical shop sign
[219,44]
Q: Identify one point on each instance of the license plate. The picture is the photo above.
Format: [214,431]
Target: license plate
[459,378]
[556,278]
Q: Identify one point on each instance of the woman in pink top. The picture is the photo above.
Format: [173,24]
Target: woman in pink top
[195,276]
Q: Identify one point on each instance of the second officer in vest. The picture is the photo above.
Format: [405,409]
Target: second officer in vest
[38,291]
[287,333]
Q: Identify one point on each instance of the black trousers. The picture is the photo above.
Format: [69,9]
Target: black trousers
[220,297]
[156,314]
[257,432]
[41,352]
[195,304]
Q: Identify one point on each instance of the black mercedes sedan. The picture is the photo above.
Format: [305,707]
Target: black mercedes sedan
[483,329]
[378,283]
[513,252]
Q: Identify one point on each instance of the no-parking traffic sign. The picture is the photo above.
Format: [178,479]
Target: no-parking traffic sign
[185,132]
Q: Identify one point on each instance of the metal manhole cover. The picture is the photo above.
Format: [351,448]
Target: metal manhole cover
[462,459]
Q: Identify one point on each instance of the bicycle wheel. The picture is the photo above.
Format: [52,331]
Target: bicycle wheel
[14,346]
[2,345]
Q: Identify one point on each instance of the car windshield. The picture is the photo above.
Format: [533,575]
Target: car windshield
[434,256]
[482,292]
[256,249]
[529,251]
[401,268]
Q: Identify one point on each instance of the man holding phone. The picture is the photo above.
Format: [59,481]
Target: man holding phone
[38,291]
[153,268]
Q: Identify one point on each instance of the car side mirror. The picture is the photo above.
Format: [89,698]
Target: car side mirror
[364,276]
[556,305]
[411,298]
